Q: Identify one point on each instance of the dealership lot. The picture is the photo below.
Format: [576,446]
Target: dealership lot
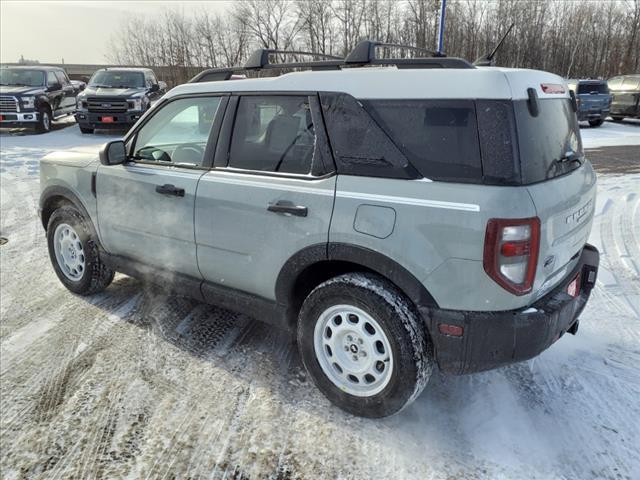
[134,383]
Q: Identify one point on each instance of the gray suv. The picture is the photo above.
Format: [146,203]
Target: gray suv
[393,228]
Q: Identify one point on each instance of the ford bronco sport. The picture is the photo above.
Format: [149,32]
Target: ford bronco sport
[397,214]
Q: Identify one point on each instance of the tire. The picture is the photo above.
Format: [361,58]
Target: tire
[86,130]
[85,274]
[364,313]
[596,123]
[44,120]
[617,119]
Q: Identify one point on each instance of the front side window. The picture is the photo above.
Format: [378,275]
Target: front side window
[52,79]
[62,78]
[21,77]
[273,134]
[178,133]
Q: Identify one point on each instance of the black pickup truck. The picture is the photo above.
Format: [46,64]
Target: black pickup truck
[117,98]
[33,96]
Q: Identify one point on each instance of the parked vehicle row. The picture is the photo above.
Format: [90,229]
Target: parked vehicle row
[353,207]
[33,96]
[619,98]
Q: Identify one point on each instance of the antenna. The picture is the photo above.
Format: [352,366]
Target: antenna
[488,60]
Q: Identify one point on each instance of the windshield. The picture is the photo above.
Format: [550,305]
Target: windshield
[21,77]
[117,79]
[550,143]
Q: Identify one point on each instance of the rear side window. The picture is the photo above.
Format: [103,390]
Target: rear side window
[439,137]
[273,134]
[593,88]
[360,146]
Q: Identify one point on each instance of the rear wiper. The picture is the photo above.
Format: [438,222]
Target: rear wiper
[567,159]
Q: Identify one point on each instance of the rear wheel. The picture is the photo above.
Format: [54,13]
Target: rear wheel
[596,123]
[363,344]
[74,253]
[44,120]
[86,130]
[617,118]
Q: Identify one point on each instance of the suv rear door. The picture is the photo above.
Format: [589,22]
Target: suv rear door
[269,196]
[146,206]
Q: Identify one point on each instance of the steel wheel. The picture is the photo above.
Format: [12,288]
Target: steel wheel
[69,252]
[353,350]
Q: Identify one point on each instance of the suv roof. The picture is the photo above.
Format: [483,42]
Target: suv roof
[391,82]
[125,69]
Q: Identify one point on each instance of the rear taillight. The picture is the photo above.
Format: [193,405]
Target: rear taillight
[511,249]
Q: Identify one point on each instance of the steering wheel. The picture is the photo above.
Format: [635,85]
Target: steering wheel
[188,153]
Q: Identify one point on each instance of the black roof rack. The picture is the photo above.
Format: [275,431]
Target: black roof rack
[362,55]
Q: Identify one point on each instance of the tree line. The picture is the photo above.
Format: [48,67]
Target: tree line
[583,39]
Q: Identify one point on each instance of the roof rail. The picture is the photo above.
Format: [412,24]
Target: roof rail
[260,58]
[363,54]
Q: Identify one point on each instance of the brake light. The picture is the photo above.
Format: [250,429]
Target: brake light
[552,88]
[511,249]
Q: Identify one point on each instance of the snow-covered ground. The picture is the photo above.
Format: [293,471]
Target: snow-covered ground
[611,134]
[132,383]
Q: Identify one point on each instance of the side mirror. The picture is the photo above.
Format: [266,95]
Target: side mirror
[53,87]
[154,88]
[113,153]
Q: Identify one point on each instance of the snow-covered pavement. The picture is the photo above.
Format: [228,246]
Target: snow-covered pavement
[611,134]
[131,383]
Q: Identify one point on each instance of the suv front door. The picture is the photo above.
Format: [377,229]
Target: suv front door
[269,196]
[146,205]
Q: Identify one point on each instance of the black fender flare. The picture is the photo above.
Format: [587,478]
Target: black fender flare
[355,254]
[42,100]
[54,191]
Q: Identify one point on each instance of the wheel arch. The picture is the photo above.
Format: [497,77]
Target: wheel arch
[313,265]
[54,197]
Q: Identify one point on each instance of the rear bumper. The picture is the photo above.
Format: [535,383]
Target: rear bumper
[494,339]
[18,119]
[593,114]
[95,120]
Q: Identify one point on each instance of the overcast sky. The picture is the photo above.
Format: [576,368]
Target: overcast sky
[78,31]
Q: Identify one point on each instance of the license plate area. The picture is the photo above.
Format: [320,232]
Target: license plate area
[108,120]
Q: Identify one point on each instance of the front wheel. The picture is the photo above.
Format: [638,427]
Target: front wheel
[596,123]
[44,120]
[74,253]
[617,119]
[364,345]
[86,130]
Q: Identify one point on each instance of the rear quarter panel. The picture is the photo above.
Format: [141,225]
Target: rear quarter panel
[438,234]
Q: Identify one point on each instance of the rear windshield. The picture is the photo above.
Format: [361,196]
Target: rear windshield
[592,88]
[439,137]
[549,142]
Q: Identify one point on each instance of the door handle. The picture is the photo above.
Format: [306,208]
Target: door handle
[288,207]
[168,189]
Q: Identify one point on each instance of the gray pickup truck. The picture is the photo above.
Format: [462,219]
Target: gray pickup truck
[626,97]
[593,99]
[392,228]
